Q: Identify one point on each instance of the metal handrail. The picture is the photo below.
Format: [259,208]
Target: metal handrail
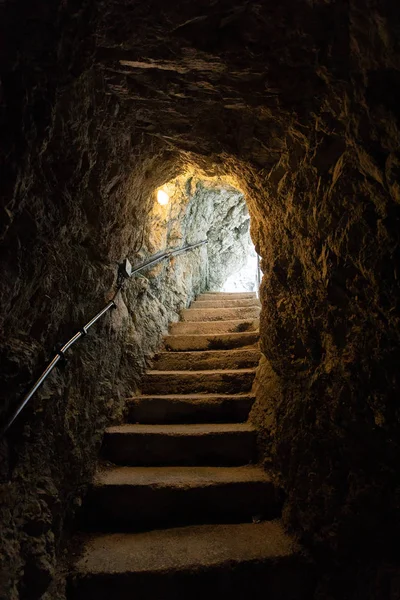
[82,332]
[159,257]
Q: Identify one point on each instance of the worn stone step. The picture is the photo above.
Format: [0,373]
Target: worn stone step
[203,327]
[158,496]
[220,314]
[243,358]
[193,408]
[226,381]
[246,560]
[210,341]
[227,295]
[197,444]
[225,303]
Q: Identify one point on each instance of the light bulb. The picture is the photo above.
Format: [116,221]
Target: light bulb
[162,197]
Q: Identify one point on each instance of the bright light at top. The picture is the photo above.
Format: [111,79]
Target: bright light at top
[162,197]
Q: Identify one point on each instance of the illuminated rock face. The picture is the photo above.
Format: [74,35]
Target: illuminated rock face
[297,106]
[219,214]
[203,208]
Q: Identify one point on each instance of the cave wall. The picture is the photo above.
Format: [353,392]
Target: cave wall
[77,189]
[221,215]
[329,239]
[296,104]
[55,278]
[201,208]
[208,208]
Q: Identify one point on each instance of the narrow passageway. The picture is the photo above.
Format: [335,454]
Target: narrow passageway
[265,124]
[184,470]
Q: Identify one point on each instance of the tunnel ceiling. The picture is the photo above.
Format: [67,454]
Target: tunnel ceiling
[257,81]
[221,78]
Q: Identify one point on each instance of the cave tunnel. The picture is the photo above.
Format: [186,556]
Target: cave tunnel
[292,109]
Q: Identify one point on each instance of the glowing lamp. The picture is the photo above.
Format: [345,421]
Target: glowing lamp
[162,197]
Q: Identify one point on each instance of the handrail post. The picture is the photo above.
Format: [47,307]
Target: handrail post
[258,275]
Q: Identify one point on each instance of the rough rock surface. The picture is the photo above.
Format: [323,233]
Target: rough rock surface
[297,106]
[221,215]
[204,209]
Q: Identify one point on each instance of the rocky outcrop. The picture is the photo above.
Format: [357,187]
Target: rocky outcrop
[296,106]
[220,214]
[204,208]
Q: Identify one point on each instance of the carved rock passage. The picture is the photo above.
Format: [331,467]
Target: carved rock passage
[180,468]
[295,103]
[298,104]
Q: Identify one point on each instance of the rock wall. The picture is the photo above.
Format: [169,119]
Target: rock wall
[49,455]
[203,208]
[76,202]
[295,105]
[221,215]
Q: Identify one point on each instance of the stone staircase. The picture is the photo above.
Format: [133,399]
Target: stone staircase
[184,510]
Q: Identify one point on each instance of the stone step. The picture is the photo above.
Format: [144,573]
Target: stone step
[225,303]
[247,560]
[243,358]
[227,295]
[203,327]
[211,341]
[220,314]
[144,497]
[224,381]
[197,444]
[193,408]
